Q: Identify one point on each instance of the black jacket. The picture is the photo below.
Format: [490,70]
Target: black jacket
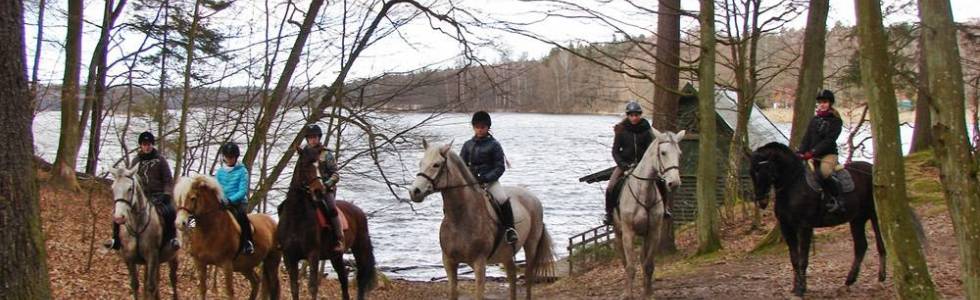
[154,172]
[631,142]
[484,157]
[821,135]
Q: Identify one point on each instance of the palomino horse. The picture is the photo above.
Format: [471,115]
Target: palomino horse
[300,236]
[799,209]
[214,240]
[641,205]
[469,225]
[142,239]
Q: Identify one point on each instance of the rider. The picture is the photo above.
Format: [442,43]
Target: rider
[633,136]
[329,178]
[485,159]
[819,146]
[233,177]
[157,183]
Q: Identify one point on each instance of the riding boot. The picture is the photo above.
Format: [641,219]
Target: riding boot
[169,214]
[245,246]
[662,186]
[610,206]
[507,220]
[114,243]
[668,203]
[338,231]
[832,190]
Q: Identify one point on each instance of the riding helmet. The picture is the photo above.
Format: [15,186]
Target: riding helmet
[826,94]
[146,137]
[633,107]
[312,130]
[230,149]
[481,117]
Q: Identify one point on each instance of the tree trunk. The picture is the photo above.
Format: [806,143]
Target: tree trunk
[898,228]
[921,135]
[665,101]
[707,220]
[161,120]
[63,173]
[811,69]
[23,269]
[95,88]
[37,54]
[186,99]
[958,165]
[282,86]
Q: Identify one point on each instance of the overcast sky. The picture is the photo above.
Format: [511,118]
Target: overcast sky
[417,45]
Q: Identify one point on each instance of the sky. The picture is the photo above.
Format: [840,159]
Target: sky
[416,45]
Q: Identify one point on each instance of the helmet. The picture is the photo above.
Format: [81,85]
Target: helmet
[481,117]
[633,107]
[826,94]
[146,137]
[312,130]
[230,149]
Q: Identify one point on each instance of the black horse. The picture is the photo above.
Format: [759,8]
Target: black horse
[799,208]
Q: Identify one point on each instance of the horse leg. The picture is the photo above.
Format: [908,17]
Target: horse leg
[270,275]
[253,282]
[451,269]
[150,290]
[511,270]
[292,269]
[531,263]
[860,247]
[314,279]
[173,275]
[338,266]
[649,248]
[229,279]
[629,259]
[806,237]
[792,242]
[880,244]
[480,272]
[202,279]
[134,279]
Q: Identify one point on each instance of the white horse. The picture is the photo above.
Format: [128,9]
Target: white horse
[141,234]
[641,206]
[469,223]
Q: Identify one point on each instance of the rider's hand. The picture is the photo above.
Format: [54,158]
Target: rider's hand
[329,182]
[806,155]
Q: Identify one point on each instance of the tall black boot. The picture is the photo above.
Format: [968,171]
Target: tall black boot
[664,197]
[169,214]
[610,206]
[507,220]
[245,243]
[114,243]
[334,219]
[832,190]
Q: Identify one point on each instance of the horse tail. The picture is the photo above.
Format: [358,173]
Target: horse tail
[364,257]
[544,257]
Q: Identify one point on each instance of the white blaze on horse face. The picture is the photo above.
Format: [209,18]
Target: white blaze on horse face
[122,189]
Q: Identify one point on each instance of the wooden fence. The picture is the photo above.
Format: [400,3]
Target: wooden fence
[600,236]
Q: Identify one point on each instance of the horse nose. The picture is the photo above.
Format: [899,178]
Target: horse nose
[415,191]
[673,185]
[119,220]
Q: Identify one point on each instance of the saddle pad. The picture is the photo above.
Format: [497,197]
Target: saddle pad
[842,175]
[324,222]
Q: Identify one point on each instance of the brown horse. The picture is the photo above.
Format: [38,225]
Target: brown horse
[214,240]
[142,241]
[300,236]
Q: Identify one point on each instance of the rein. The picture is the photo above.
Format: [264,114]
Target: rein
[442,169]
[657,178]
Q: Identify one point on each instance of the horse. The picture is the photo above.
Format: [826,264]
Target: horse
[301,237]
[469,224]
[214,239]
[142,240]
[799,208]
[640,209]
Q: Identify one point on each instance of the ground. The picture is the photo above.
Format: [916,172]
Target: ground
[75,227]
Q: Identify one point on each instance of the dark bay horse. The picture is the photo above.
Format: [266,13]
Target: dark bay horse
[799,208]
[301,237]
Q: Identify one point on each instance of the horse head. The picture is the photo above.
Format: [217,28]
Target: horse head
[663,157]
[127,194]
[195,196]
[432,171]
[309,170]
[765,168]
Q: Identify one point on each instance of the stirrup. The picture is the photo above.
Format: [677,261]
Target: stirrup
[511,235]
[608,220]
[112,244]
[668,214]
[249,248]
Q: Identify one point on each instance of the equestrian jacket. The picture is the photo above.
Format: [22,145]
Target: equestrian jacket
[484,157]
[154,172]
[328,168]
[821,135]
[631,142]
[234,182]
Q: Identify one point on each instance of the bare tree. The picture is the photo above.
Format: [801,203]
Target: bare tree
[707,220]
[63,173]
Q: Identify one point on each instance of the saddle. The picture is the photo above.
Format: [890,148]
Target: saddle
[324,221]
[165,210]
[841,174]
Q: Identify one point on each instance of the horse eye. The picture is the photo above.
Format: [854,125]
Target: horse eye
[435,165]
[663,152]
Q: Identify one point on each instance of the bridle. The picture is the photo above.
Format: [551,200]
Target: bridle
[442,170]
[139,210]
[659,181]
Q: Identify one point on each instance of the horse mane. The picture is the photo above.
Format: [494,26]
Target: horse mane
[453,158]
[186,184]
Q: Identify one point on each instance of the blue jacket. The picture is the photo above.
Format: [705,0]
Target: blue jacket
[484,157]
[234,182]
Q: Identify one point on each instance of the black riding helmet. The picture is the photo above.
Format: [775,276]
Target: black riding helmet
[230,149]
[313,130]
[826,95]
[146,137]
[481,117]
[634,107]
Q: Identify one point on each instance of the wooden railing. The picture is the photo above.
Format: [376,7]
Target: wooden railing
[600,236]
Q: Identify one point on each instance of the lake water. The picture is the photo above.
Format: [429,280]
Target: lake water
[547,154]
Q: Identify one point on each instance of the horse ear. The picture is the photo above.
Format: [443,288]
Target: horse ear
[130,172]
[425,144]
[116,172]
[680,135]
[656,132]
[446,147]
